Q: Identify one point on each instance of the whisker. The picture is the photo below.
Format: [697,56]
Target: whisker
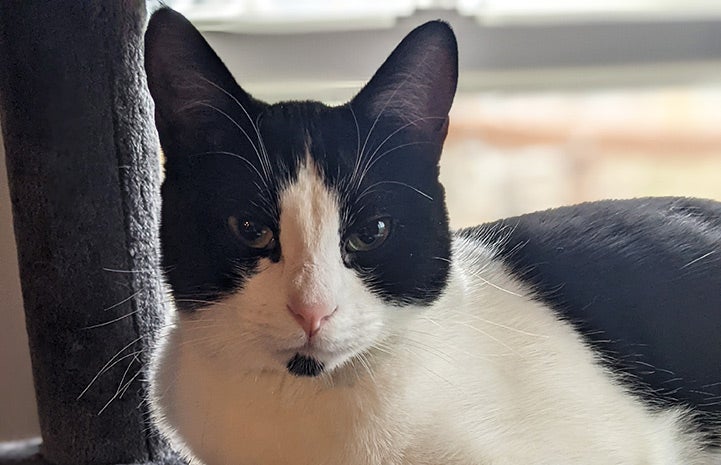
[112,362]
[114,270]
[696,260]
[397,147]
[399,183]
[356,165]
[265,161]
[373,159]
[120,392]
[127,299]
[486,281]
[235,155]
[100,325]
[380,113]
[501,325]
[370,159]
[235,123]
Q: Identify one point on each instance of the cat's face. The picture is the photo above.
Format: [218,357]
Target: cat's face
[302,233]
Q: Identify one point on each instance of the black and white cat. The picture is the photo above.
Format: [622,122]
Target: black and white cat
[327,315]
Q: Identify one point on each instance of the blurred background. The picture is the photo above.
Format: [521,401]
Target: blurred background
[559,102]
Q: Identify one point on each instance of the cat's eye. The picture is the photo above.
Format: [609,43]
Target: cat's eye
[251,233]
[369,236]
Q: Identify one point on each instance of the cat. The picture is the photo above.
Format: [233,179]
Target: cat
[326,314]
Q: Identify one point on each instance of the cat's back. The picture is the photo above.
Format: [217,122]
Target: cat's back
[639,279]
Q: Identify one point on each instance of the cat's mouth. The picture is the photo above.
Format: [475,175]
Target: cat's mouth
[304,365]
[312,359]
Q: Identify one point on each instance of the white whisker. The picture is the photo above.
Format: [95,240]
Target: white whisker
[112,362]
[99,325]
[399,183]
[264,160]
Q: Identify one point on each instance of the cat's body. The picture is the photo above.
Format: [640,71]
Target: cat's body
[327,316]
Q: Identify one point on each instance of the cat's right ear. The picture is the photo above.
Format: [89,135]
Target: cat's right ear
[190,85]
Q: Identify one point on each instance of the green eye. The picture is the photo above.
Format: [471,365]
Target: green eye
[369,236]
[254,235]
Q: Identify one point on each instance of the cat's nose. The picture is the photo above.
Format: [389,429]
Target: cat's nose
[311,317]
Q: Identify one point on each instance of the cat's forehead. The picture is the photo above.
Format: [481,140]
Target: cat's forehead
[294,120]
[309,213]
[309,134]
[307,189]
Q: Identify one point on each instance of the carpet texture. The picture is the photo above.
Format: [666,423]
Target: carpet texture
[83,173]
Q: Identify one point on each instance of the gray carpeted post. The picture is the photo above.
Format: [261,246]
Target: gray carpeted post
[83,175]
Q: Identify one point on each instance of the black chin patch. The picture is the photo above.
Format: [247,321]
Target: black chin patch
[301,365]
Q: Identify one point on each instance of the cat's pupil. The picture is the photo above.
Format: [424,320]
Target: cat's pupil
[250,231]
[370,234]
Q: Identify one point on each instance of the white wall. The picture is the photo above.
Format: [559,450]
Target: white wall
[18,416]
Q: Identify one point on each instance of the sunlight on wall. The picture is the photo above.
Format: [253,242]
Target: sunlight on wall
[510,154]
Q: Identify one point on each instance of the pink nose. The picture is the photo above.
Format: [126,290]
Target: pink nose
[311,317]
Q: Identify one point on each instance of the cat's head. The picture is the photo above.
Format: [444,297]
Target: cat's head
[301,231]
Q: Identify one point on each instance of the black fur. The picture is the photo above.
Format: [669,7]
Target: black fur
[301,365]
[640,279]
[207,126]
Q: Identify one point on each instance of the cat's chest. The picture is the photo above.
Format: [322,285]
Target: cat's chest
[274,419]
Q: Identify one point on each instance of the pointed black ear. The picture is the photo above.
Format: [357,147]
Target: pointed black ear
[190,85]
[417,82]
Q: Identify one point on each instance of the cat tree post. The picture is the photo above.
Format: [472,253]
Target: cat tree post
[83,176]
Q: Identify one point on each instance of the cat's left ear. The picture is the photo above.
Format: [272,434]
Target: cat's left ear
[415,86]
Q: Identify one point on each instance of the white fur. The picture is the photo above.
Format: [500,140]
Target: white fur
[485,376]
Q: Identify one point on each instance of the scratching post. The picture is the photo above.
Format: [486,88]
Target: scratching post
[83,173]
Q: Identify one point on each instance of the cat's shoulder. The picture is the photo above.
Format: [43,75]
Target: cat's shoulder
[640,279]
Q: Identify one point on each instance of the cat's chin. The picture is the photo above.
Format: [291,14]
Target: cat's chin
[309,363]
[304,365]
